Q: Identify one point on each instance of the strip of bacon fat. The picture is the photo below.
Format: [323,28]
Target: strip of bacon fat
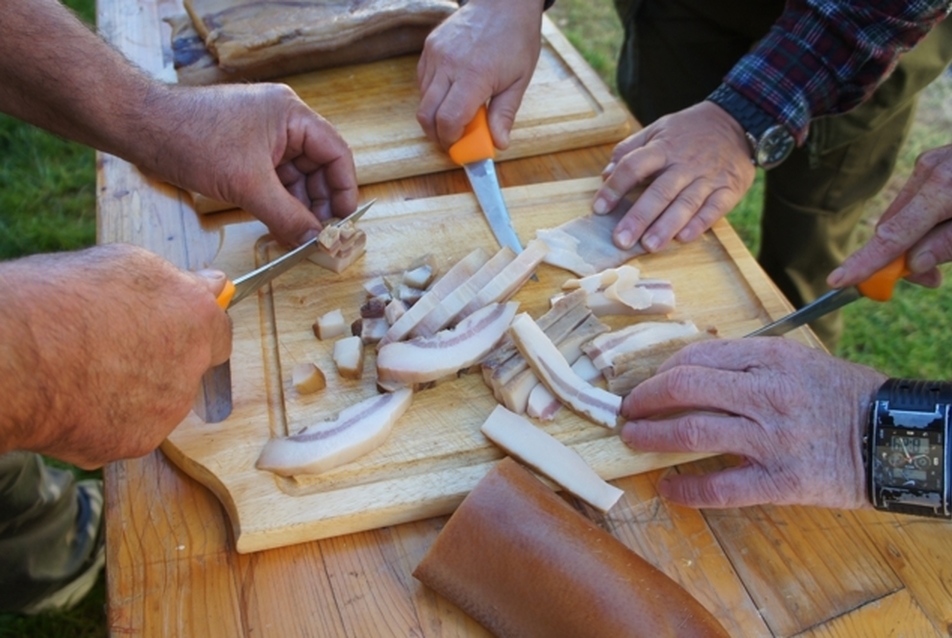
[546,454]
[554,371]
[454,277]
[357,430]
[604,348]
[544,405]
[430,358]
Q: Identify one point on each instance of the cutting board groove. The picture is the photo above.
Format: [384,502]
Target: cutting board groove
[373,106]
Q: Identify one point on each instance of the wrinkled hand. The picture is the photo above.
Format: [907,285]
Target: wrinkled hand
[795,414]
[917,221]
[260,147]
[487,50]
[696,164]
[120,338]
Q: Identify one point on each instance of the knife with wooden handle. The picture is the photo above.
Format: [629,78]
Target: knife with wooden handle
[878,287]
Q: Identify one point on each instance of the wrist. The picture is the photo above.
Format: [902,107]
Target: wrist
[768,141]
[28,398]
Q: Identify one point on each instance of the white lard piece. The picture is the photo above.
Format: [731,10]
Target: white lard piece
[584,245]
[551,457]
[357,430]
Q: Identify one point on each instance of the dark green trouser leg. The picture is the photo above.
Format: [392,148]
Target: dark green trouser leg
[815,200]
[675,54]
[38,508]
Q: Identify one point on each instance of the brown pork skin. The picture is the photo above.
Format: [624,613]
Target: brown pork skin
[522,562]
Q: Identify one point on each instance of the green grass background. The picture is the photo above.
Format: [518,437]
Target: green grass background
[47,203]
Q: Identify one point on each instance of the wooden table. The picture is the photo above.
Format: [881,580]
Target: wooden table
[764,571]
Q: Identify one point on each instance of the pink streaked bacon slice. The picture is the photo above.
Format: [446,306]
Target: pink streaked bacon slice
[426,359]
[454,277]
[451,305]
[554,371]
[357,430]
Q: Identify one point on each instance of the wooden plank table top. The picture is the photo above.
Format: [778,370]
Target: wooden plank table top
[172,567]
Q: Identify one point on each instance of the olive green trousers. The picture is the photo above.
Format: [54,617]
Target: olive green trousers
[676,52]
[42,539]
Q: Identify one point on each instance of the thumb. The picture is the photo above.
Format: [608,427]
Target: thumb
[215,280]
[502,115]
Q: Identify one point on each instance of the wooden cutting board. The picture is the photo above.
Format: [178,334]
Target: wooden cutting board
[374,106]
[435,453]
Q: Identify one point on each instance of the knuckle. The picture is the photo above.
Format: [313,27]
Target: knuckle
[689,434]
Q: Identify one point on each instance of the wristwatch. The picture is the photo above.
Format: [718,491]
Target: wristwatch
[906,449]
[770,143]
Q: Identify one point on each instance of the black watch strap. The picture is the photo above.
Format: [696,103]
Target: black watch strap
[915,396]
[770,143]
[751,117]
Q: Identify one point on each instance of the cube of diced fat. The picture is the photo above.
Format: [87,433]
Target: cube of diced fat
[349,357]
[330,325]
[307,378]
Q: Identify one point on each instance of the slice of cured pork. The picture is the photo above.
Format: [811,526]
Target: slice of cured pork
[357,430]
[584,245]
[546,454]
[426,359]
[598,405]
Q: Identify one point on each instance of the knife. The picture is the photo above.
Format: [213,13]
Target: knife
[878,287]
[475,153]
[247,284]
[213,401]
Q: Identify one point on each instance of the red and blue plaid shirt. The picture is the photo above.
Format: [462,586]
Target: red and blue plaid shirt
[825,56]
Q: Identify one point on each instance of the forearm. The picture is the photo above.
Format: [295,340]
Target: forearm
[57,74]
[822,57]
[27,287]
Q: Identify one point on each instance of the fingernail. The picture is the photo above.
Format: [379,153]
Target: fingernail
[624,239]
[609,169]
[600,207]
[835,278]
[628,433]
[923,262]
[308,236]
[211,274]
[651,243]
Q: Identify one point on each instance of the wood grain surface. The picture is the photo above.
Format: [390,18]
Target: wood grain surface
[171,564]
[436,453]
[374,106]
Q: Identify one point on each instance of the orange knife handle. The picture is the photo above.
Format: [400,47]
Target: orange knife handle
[879,287]
[224,297]
[476,143]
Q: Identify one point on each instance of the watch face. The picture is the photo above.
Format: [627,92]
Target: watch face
[774,146]
[910,459]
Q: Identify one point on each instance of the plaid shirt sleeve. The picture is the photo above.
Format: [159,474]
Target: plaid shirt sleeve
[826,56]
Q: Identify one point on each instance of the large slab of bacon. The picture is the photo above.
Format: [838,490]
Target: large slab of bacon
[522,562]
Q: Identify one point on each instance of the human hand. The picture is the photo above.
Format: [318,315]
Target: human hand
[257,146]
[795,414]
[916,223]
[112,344]
[487,50]
[698,164]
